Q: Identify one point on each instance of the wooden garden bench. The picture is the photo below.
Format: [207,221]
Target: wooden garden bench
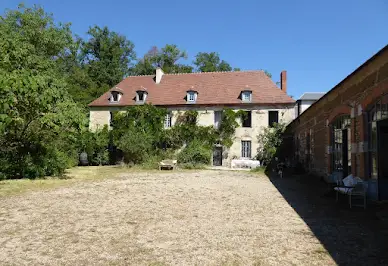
[169,164]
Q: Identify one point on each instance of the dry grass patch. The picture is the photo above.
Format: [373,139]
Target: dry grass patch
[76,174]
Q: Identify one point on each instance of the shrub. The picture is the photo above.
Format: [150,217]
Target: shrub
[136,146]
[195,153]
[95,144]
[269,141]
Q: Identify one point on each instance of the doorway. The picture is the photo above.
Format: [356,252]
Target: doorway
[217,156]
[341,135]
[382,155]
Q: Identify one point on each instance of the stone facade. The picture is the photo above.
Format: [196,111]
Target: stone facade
[100,116]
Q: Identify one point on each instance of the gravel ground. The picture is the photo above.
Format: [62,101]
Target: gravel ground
[158,218]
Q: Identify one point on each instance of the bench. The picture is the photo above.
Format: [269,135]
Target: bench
[169,164]
[353,187]
[244,163]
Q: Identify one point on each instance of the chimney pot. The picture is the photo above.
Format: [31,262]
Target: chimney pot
[159,74]
[283,81]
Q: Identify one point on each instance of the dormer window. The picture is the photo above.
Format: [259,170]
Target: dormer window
[246,96]
[191,96]
[141,96]
[115,96]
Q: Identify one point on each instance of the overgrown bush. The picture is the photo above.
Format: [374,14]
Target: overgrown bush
[95,144]
[136,146]
[195,153]
[269,141]
[39,121]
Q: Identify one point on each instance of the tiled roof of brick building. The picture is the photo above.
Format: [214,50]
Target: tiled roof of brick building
[214,88]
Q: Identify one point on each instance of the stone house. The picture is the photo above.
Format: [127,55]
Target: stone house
[208,94]
[346,130]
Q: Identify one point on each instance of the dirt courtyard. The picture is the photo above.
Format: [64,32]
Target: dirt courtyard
[158,218]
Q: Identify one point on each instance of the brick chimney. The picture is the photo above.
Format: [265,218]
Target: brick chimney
[159,74]
[283,81]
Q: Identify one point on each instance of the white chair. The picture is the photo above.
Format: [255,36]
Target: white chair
[352,187]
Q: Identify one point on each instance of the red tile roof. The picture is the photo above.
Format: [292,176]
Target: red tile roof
[214,88]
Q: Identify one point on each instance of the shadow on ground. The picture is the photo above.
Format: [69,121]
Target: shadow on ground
[351,236]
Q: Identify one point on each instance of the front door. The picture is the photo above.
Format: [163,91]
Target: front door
[217,156]
[382,155]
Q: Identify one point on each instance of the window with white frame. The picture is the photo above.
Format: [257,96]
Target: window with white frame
[191,96]
[246,96]
[246,150]
[115,97]
[167,120]
[141,96]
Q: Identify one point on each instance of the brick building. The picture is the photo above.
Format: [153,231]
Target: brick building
[347,129]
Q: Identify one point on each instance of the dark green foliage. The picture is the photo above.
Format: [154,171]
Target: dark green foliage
[95,144]
[167,58]
[136,145]
[94,65]
[186,130]
[195,153]
[228,126]
[138,132]
[107,56]
[210,62]
[39,121]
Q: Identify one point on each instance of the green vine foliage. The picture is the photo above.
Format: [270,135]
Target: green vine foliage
[228,126]
[139,132]
[269,142]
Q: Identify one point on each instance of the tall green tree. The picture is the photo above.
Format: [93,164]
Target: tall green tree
[38,119]
[210,62]
[167,58]
[107,56]
[94,65]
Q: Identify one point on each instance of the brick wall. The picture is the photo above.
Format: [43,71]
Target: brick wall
[352,96]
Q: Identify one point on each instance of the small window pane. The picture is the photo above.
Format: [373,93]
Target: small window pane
[217,118]
[247,119]
[273,117]
[114,96]
[246,96]
[246,149]
[167,121]
[191,97]
[141,96]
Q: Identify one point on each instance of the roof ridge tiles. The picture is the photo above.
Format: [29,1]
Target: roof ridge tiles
[210,72]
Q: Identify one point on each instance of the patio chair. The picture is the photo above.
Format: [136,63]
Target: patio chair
[332,181]
[353,187]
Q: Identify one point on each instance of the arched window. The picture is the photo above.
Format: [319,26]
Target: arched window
[341,143]
[377,112]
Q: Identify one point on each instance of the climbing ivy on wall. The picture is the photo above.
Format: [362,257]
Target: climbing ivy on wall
[139,132]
